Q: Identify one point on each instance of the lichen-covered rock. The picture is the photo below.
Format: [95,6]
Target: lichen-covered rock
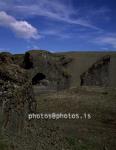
[6,57]
[16,97]
[97,74]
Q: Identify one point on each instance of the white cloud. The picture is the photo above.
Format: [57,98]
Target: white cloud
[106,40]
[62,11]
[55,9]
[21,28]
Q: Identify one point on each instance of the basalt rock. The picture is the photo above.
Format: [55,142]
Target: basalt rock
[16,96]
[52,66]
[97,74]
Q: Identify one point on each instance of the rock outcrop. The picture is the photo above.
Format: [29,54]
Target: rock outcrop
[97,74]
[6,57]
[16,96]
[43,62]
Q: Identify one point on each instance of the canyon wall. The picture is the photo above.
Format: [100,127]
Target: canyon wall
[98,74]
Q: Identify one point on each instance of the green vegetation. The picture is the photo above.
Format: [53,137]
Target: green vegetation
[86,134]
[3,145]
[66,73]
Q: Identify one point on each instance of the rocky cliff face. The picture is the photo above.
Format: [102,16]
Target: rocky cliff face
[51,65]
[97,74]
[16,95]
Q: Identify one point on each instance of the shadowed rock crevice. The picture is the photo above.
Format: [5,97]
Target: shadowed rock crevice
[28,61]
[97,74]
[37,78]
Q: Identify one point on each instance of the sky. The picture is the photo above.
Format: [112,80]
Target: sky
[57,25]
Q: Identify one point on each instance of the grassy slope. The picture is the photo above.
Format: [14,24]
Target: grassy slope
[83,60]
[98,133]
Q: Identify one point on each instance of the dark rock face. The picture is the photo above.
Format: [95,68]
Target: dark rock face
[97,74]
[51,65]
[16,97]
[28,62]
[37,78]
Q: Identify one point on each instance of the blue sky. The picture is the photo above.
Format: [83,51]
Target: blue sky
[57,25]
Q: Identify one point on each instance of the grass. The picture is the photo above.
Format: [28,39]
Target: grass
[97,133]
[83,60]
[86,134]
[3,145]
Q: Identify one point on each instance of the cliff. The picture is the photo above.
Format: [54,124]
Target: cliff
[16,95]
[98,73]
[52,66]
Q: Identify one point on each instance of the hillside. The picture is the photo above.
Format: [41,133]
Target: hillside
[82,61]
[36,82]
[96,133]
[66,67]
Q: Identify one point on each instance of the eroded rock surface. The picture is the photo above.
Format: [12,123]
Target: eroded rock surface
[51,65]
[16,96]
[97,74]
